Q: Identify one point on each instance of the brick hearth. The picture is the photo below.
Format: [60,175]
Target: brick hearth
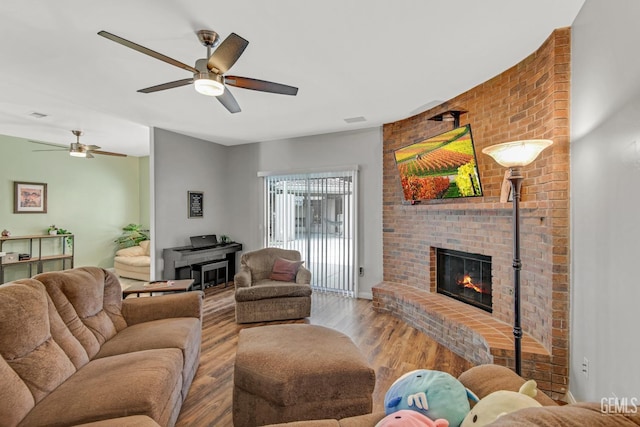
[529,100]
[468,331]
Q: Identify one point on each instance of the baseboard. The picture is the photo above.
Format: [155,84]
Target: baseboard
[365,295]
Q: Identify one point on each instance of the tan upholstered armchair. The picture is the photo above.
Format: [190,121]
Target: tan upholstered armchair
[263,290]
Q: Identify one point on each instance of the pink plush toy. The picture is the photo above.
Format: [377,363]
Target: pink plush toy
[409,418]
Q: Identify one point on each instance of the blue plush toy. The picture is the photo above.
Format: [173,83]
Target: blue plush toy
[435,394]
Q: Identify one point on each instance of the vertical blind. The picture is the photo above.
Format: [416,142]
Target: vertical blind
[315,214]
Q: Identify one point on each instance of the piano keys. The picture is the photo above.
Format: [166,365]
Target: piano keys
[178,260]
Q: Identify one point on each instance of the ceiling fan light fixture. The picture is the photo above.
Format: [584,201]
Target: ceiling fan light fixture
[78,153]
[76,149]
[209,84]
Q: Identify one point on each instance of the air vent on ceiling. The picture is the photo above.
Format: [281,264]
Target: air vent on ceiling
[355,119]
[37,115]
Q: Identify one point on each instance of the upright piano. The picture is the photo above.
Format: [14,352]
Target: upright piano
[178,261]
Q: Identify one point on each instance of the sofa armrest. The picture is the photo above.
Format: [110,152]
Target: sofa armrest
[242,278]
[131,251]
[140,310]
[485,379]
[303,276]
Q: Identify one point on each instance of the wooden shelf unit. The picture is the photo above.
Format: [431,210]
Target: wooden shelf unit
[36,257]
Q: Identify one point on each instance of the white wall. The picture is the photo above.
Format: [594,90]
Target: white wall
[363,148]
[181,164]
[605,196]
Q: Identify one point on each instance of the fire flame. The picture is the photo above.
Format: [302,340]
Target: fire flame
[468,283]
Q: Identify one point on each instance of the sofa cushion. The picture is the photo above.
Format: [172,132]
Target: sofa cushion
[575,415]
[183,333]
[132,421]
[265,289]
[140,383]
[26,343]
[89,301]
[285,270]
[485,379]
[179,333]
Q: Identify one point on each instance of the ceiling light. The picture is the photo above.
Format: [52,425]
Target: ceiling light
[78,153]
[209,84]
[76,149]
[517,153]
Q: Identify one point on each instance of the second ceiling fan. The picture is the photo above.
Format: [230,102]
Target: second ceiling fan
[209,73]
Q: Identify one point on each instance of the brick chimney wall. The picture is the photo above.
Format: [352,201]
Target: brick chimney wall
[529,100]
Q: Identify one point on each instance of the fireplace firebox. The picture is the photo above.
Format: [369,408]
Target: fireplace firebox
[465,277]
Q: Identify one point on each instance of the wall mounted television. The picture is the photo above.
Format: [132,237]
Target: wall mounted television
[440,167]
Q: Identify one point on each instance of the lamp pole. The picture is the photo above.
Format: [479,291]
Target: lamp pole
[514,155]
[515,177]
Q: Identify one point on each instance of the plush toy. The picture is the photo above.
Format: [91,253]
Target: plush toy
[408,418]
[434,394]
[496,404]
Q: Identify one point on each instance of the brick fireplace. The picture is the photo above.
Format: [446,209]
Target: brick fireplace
[529,100]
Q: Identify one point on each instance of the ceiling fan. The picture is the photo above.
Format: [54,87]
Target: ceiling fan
[76,149]
[209,73]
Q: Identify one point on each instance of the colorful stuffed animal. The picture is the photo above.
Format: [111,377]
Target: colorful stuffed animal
[408,418]
[434,394]
[496,404]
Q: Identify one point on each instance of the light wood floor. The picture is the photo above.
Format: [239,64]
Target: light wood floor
[392,348]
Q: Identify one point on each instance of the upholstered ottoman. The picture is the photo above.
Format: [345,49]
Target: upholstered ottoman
[298,372]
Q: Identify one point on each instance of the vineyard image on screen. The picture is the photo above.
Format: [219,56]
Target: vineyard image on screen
[440,167]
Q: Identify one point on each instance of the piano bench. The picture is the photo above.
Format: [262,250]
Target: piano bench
[203,267]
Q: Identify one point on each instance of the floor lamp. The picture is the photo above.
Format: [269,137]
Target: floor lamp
[514,155]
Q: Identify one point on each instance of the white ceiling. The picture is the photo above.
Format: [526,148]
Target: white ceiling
[379,59]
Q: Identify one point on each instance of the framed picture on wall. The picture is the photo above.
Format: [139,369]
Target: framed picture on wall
[195,204]
[29,197]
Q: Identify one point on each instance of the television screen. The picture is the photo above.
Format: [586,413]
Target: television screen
[440,167]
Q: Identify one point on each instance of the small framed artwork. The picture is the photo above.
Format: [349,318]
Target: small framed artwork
[29,197]
[195,199]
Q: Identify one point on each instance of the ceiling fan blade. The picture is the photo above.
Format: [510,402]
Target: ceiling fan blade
[147,51]
[88,156]
[165,86]
[227,53]
[49,144]
[261,85]
[90,147]
[229,101]
[107,153]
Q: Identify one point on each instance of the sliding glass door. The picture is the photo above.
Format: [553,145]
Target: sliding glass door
[315,213]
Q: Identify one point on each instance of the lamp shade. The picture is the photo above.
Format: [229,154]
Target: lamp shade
[517,153]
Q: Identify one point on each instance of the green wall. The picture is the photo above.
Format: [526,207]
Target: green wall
[93,198]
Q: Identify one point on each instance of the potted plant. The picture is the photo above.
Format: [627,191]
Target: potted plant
[224,239]
[52,230]
[66,239]
[132,234]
